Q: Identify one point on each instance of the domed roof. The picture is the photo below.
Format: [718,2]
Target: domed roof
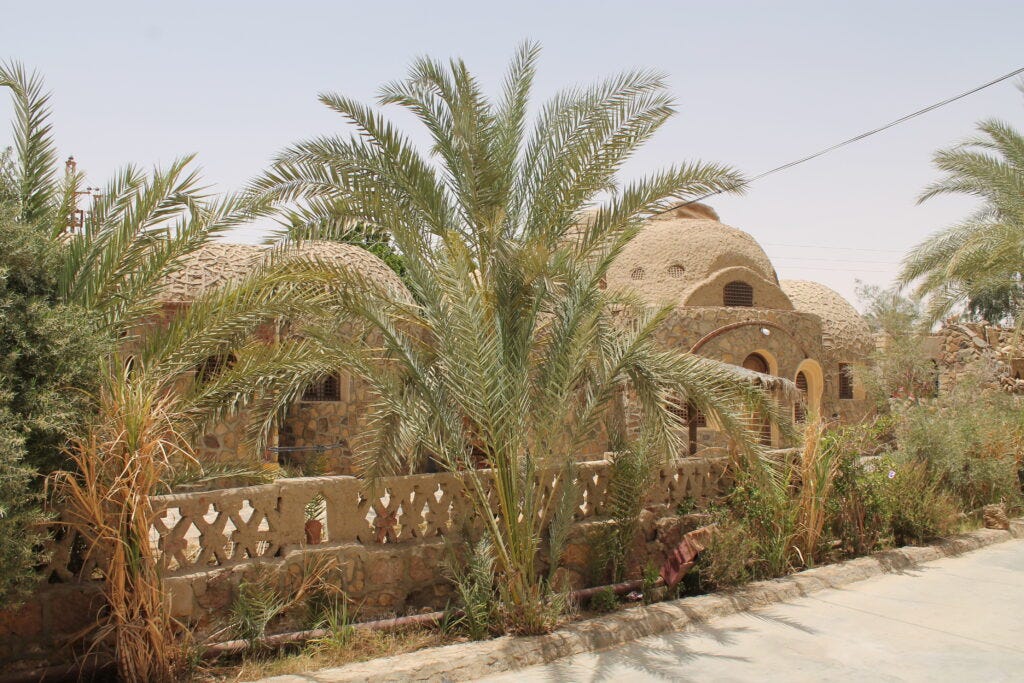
[217,263]
[679,250]
[843,329]
[355,258]
[212,265]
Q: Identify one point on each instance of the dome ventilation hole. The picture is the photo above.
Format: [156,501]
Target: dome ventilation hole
[637,274]
[676,271]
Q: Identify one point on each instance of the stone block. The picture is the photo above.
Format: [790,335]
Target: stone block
[181,599]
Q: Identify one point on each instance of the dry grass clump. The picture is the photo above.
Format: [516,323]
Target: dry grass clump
[118,464]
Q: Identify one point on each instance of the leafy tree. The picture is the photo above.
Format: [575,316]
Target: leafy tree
[977,263]
[901,367]
[513,352]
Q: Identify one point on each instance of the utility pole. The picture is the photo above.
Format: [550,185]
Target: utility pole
[76,217]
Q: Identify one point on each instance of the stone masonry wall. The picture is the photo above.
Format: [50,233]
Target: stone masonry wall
[960,347]
[731,334]
[335,424]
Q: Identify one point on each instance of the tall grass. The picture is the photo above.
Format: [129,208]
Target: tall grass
[119,461]
[817,470]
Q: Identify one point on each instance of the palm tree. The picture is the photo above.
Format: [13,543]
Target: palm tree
[978,262]
[513,354]
[150,404]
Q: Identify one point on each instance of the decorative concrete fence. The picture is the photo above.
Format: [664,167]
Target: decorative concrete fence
[389,544]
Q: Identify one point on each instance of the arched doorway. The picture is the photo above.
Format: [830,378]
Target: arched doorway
[758,363]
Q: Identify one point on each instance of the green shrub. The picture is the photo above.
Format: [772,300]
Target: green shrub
[730,556]
[631,473]
[604,601]
[766,509]
[46,368]
[914,502]
[971,441]
[474,587]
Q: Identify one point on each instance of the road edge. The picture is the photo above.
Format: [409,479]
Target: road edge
[468,661]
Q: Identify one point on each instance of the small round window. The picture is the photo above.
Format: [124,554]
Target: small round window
[676,271]
[637,274]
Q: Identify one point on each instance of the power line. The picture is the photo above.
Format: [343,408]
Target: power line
[814,259]
[829,247]
[869,133]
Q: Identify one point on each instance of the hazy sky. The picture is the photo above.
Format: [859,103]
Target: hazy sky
[757,84]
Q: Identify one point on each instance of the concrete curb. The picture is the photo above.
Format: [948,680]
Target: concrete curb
[468,661]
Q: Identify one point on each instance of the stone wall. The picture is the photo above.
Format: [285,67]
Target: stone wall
[794,342]
[331,424]
[226,443]
[959,349]
[790,341]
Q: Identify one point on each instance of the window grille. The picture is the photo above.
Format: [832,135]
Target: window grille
[637,274]
[681,410]
[676,271]
[327,388]
[677,408]
[800,410]
[738,294]
[845,381]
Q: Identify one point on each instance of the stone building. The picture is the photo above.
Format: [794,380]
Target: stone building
[729,306]
[322,424]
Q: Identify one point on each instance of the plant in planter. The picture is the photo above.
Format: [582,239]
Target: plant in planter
[314,528]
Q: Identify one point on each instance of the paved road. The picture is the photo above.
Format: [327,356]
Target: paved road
[956,619]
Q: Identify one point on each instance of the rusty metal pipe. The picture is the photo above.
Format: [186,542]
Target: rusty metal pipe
[231,647]
[279,639]
[429,619]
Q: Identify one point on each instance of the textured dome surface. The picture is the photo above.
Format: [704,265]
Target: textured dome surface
[212,265]
[356,259]
[844,330]
[218,263]
[682,248]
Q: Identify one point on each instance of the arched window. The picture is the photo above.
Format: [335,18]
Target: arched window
[799,409]
[327,388]
[738,293]
[757,363]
